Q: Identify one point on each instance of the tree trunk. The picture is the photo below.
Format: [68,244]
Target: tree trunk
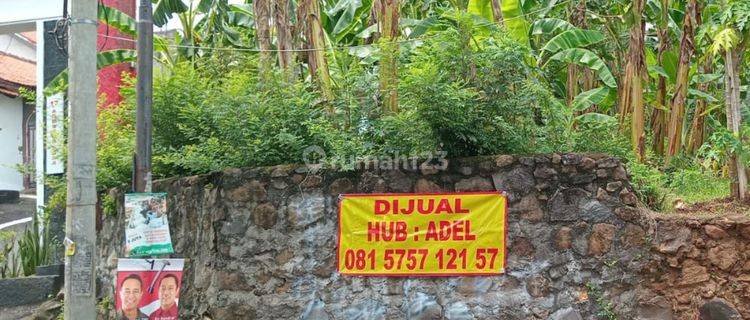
[659,114]
[299,30]
[284,37]
[316,58]
[624,105]
[659,117]
[262,11]
[697,132]
[697,127]
[679,99]
[578,18]
[632,93]
[389,16]
[589,83]
[734,118]
[571,85]
[497,11]
[372,20]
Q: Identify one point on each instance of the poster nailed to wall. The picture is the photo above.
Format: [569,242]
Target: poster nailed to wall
[147,230]
[422,234]
[54,141]
[148,289]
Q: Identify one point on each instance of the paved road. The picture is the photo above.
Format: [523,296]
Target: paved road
[12,212]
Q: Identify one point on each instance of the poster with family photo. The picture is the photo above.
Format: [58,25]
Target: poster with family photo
[147,230]
[148,289]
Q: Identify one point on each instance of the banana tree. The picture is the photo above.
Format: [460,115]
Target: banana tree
[729,43]
[117,20]
[283,23]
[575,47]
[388,14]
[103,59]
[515,21]
[679,98]
[263,29]
[631,98]
[704,81]
[309,11]
[216,19]
[659,114]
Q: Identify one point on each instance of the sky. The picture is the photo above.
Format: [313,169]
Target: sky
[15,11]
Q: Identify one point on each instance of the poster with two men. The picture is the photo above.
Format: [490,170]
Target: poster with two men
[148,289]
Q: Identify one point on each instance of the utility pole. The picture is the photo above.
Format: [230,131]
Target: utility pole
[80,213]
[144,97]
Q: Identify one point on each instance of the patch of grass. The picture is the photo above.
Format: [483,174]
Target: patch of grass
[6,235]
[690,184]
[693,186]
[605,306]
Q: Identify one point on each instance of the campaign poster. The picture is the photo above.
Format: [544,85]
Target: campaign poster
[450,234]
[148,289]
[147,230]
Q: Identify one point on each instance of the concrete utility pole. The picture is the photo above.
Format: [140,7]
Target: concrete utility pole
[144,96]
[80,218]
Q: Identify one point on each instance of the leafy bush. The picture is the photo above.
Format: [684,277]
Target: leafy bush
[601,135]
[239,123]
[477,96]
[116,145]
[721,144]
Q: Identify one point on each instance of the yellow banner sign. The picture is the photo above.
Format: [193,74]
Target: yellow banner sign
[422,234]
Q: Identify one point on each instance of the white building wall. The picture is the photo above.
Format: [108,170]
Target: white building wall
[11,143]
[15,45]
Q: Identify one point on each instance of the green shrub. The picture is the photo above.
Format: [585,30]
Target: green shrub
[649,184]
[116,145]
[478,98]
[239,123]
[601,136]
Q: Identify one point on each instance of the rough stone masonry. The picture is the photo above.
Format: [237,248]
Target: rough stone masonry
[260,244]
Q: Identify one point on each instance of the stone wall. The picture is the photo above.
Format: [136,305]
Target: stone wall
[261,243]
[701,267]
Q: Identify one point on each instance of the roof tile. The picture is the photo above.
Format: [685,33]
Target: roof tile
[17,70]
[30,35]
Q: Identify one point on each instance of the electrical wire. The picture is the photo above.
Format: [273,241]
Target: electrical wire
[268,50]
[604,15]
[106,23]
[60,32]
